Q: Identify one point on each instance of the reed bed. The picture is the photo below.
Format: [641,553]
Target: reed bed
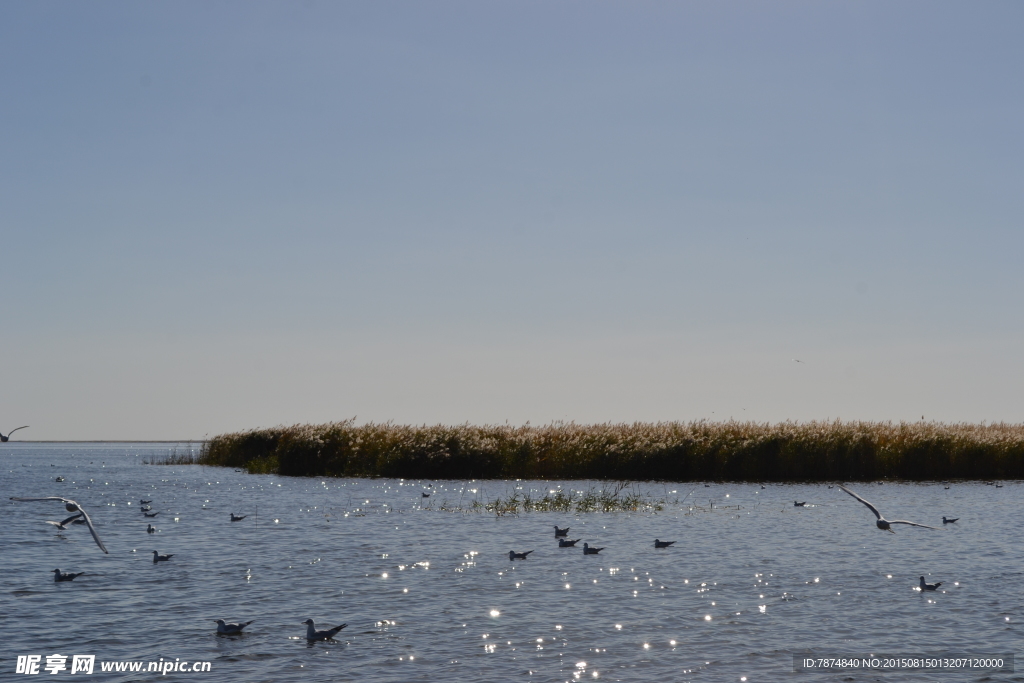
[662,451]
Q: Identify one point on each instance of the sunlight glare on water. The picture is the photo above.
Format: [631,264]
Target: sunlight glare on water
[397,567]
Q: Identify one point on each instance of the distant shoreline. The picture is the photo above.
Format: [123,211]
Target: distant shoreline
[197,441]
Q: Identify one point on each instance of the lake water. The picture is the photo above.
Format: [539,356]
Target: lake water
[431,595]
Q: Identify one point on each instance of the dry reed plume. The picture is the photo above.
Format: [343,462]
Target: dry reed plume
[670,451]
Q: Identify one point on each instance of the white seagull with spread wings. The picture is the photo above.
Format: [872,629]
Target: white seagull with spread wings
[881,522]
[72,506]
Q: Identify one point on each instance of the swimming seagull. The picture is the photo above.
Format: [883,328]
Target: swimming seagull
[145,508]
[4,439]
[231,629]
[929,586]
[799,505]
[513,555]
[59,576]
[424,494]
[946,520]
[662,544]
[71,506]
[561,532]
[62,525]
[566,543]
[144,502]
[150,514]
[237,518]
[150,529]
[313,634]
[882,522]
[157,557]
[587,550]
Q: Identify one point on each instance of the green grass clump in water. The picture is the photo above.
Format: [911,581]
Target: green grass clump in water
[667,451]
[617,499]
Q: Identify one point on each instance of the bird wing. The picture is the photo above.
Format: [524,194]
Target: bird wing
[92,529]
[900,521]
[71,518]
[59,525]
[870,506]
[65,500]
[14,430]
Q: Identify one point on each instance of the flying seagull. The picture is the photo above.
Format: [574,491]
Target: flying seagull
[513,555]
[929,586]
[566,543]
[587,550]
[5,439]
[231,629]
[881,522]
[157,557]
[59,576]
[561,532]
[237,518]
[62,525]
[662,544]
[313,634]
[71,506]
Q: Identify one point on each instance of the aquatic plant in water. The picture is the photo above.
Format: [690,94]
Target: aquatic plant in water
[640,451]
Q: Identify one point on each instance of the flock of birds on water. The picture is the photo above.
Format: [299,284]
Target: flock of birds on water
[80,516]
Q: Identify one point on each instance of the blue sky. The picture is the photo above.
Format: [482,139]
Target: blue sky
[221,215]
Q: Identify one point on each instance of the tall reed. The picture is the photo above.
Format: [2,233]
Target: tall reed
[670,451]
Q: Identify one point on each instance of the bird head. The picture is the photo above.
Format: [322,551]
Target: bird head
[308,622]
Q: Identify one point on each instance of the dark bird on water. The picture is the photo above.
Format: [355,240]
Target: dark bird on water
[662,544]
[230,629]
[799,505]
[144,502]
[327,634]
[71,506]
[150,514]
[882,522]
[5,439]
[929,586]
[59,576]
[150,529]
[587,550]
[566,543]
[513,555]
[157,557]
[949,520]
[237,518]
[561,532]
[424,494]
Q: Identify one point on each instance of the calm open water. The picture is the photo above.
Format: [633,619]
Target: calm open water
[431,595]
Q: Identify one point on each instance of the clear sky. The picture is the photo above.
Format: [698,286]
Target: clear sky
[223,215]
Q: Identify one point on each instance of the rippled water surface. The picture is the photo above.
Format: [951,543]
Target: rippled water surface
[431,595]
